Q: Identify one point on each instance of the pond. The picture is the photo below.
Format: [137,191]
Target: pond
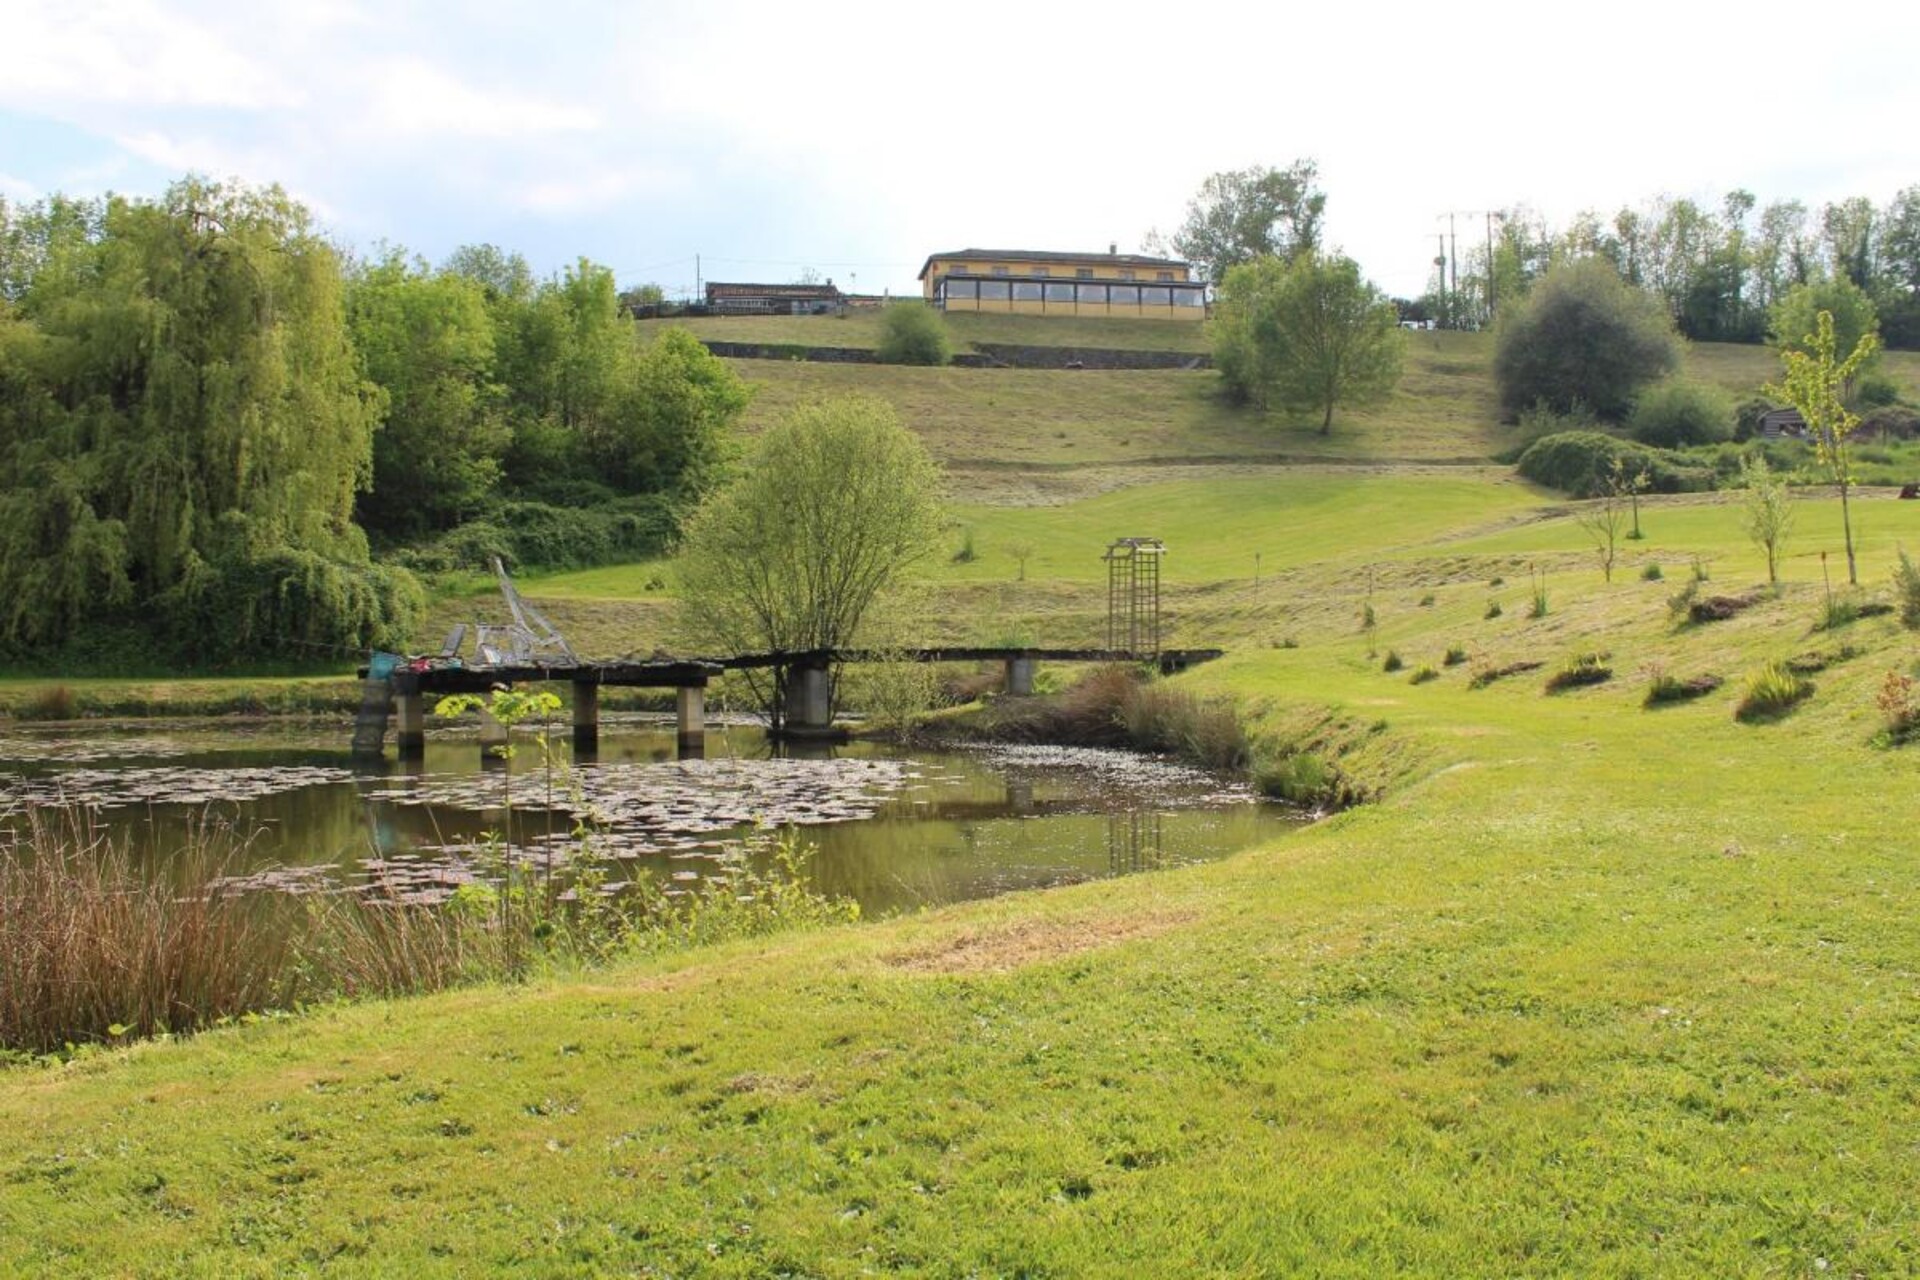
[894,829]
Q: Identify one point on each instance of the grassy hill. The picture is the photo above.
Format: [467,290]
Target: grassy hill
[1592,989]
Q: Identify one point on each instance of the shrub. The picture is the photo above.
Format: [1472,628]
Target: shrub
[1906,588]
[1456,654]
[1772,691]
[1582,336]
[1579,464]
[1875,391]
[1680,412]
[1206,732]
[1838,611]
[1487,675]
[1581,669]
[1493,609]
[1426,601]
[1897,709]
[1393,662]
[1651,572]
[913,333]
[1747,415]
[1423,673]
[1716,608]
[1663,688]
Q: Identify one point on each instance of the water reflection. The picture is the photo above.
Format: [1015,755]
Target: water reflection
[894,830]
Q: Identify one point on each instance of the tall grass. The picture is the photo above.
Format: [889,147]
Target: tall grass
[98,945]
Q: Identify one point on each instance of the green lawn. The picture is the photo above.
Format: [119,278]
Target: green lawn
[862,329]
[1593,990]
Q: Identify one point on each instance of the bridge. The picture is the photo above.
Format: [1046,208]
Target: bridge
[805,679]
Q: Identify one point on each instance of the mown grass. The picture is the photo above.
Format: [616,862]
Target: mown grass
[1586,991]
[861,329]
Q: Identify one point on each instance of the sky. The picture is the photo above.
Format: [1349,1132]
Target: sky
[854,139]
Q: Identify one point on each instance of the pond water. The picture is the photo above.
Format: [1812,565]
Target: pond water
[894,829]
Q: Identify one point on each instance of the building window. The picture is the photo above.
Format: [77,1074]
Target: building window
[1163,275]
[999,271]
[1083,273]
[1042,271]
[1092,293]
[966,290]
[1189,298]
[993,291]
[1026,291]
[1126,295]
[958,269]
[1059,293]
[1126,273]
[1153,297]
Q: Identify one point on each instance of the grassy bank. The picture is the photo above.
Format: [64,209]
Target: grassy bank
[1592,988]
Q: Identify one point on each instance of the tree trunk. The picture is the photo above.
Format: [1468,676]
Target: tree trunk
[1326,423]
[1846,525]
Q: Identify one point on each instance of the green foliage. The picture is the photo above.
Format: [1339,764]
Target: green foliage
[1906,591]
[1680,412]
[184,424]
[838,502]
[1242,215]
[1582,336]
[1306,335]
[1652,572]
[672,431]
[1580,463]
[1423,673]
[1456,654]
[913,333]
[426,340]
[1664,688]
[1766,511]
[1393,662]
[1493,610]
[1816,382]
[1772,690]
[548,536]
[1793,322]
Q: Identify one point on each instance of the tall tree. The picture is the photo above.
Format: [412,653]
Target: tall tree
[1243,214]
[1307,335]
[1793,321]
[1816,382]
[426,339]
[195,430]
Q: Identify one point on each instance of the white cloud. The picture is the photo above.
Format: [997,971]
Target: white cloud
[412,98]
[130,52]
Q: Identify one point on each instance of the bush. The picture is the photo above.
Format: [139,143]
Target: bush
[1393,662]
[1456,654]
[1582,336]
[1652,572]
[1875,391]
[1663,688]
[1772,691]
[1682,412]
[1423,673]
[913,333]
[551,536]
[1578,463]
[1493,610]
[1581,669]
[1906,589]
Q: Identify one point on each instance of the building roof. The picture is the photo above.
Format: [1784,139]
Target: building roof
[1036,255]
[722,289]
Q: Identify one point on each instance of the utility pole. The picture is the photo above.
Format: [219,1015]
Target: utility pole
[1491,215]
[1440,261]
[699,294]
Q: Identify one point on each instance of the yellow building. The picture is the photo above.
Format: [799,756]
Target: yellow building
[1025,282]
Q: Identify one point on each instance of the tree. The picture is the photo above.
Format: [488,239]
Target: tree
[839,500]
[426,339]
[1816,383]
[913,333]
[1244,214]
[1792,322]
[1603,517]
[1679,412]
[187,433]
[1582,336]
[1766,511]
[674,435]
[1306,335]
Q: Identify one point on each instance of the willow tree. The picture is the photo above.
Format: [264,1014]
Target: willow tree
[185,433]
[1816,382]
[838,501]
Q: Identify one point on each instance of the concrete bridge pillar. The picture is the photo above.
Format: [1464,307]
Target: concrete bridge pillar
[493,741]
[690,709]
[411,739]
[586,717]
[1019,677]
[809,699]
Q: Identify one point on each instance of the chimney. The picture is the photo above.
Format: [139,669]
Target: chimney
[1113,248]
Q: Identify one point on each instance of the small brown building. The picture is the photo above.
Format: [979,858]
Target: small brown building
[774,299]
[1781,424]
